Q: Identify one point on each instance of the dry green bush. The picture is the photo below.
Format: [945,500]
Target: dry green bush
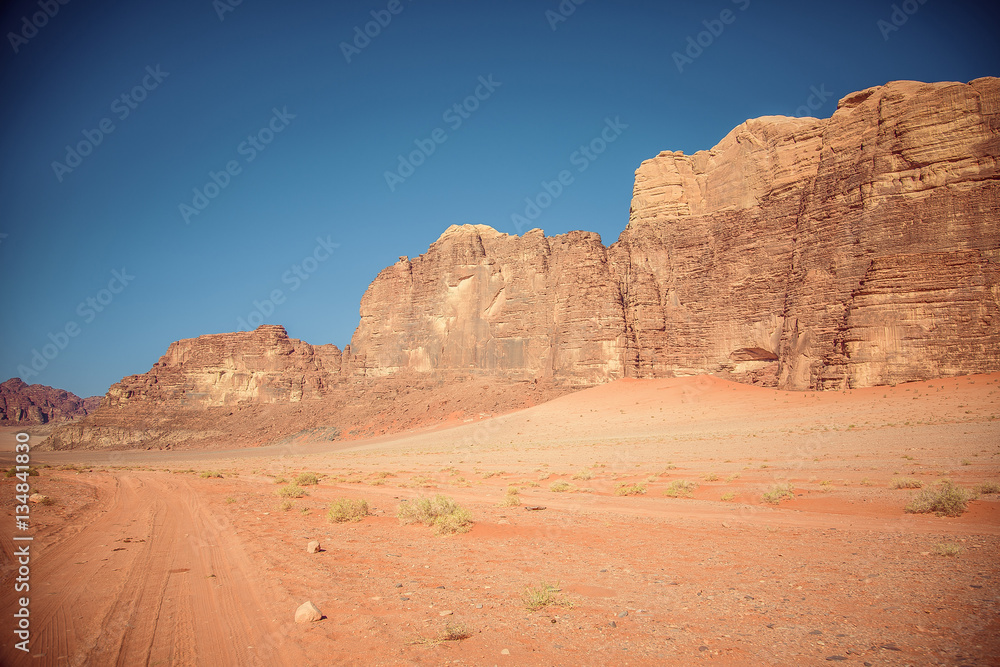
[946,500]
[778,493]
[343,510]
[441,512]
[292,491]
[679,488]
[543,595]
[307,479]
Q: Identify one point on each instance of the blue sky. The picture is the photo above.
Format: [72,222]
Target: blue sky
[278,139]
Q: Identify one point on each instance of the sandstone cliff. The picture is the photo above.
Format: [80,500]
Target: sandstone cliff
[21,403]
[259,366]
[801,253]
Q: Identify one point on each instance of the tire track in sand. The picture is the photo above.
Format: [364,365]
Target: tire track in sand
[155,577]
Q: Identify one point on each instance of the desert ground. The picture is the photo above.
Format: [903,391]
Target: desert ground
[193,558]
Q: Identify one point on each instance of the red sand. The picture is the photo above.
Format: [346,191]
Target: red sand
[139,562]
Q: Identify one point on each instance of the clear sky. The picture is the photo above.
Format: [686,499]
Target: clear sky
[167,164]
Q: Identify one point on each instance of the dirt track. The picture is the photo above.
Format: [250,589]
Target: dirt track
[144,575]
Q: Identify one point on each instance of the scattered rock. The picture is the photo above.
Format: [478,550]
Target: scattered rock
[38,498]
[622,614]
[307,613]
[835,657]
[533,508]
[313,547]
[613,624]
[445,613]
[505,652]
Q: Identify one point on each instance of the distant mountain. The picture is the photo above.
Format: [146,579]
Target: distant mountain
[23,403]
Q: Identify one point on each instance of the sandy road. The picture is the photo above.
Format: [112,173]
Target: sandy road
[157,578]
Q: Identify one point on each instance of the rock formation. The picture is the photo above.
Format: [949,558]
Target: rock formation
[259,366]
[801,253]
[21,403]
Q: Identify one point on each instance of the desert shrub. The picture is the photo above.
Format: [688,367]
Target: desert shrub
[733,477]
[988,487]
[543,595]
[728,496]
[583,475]
[454,632]
[905,483]
[347,509]
[948,549]
[511,498]
[561,487]
[630,489]
[441,512]
[711,477]
[307,479]
[292,491]
[947,500]
[286,505]
[679,488]
[778,493]
[280,480]
[32,471]
[210,473]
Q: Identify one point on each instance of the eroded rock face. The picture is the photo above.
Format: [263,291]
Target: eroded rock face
[21,403]
[259,366]
[482,302]
[799,253]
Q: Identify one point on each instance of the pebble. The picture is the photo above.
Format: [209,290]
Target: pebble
[479,606]
[445,613]
[505,652]
[622,614]
[835,657]
[613,624]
